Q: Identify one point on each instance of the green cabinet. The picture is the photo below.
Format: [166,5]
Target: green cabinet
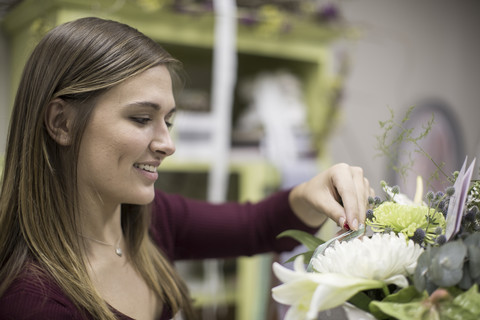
[304,50]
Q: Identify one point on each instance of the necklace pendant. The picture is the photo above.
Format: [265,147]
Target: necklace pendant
[119,252]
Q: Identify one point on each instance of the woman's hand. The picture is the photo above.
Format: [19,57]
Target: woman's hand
[339,193]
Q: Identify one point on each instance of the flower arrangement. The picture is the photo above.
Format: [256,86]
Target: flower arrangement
[414,259]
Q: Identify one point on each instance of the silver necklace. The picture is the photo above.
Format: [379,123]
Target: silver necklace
[118,250]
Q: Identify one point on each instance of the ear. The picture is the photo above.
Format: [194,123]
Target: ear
[58,121]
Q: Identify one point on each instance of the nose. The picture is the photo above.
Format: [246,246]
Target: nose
[162,142]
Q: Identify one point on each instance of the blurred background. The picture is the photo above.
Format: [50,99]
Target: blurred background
[290,87]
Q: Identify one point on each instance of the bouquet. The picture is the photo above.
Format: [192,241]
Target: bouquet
[414,259]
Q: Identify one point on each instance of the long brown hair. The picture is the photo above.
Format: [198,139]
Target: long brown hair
[76,61]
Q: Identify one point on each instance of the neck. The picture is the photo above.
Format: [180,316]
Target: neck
[116,246]
[101,222]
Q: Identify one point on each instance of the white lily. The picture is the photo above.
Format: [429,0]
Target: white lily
[344,270]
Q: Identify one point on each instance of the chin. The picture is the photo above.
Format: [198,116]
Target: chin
[143,199]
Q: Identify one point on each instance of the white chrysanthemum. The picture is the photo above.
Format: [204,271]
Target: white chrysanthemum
[386,257]
[344,270]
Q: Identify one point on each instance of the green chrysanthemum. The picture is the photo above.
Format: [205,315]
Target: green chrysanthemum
[402,218]
[473,197]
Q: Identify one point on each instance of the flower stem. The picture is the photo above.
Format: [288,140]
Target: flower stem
[386,291]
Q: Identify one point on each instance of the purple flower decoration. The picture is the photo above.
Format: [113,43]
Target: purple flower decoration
[457,201]
[327,12]
[250,19]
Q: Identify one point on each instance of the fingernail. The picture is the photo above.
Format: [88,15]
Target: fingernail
[342,223]
[355,224]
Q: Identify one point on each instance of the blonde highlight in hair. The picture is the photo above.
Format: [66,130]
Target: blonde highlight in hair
[77,62]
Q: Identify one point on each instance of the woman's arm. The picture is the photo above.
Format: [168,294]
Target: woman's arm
[192,229]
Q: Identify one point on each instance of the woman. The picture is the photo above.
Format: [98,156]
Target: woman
[89,128]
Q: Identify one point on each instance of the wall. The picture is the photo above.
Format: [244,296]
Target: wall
[408,51]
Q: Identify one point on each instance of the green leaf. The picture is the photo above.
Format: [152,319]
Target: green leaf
[305,238]
[361,301]
[440,266]
[463,307]
[420,277]
[401,311]
[383,309]
[467,280]
[306,256]
[403,295]
[446,267]
[473,246]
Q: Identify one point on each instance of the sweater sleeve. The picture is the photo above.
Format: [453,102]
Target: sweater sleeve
[192,229]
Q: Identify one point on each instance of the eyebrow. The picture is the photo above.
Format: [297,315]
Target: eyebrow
[144,104]
[151,105]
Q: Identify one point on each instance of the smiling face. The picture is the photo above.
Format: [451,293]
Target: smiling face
[127,138]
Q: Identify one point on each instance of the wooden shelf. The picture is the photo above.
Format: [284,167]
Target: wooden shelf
[304,49]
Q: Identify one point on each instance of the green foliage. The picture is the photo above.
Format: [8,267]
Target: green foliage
[456,263]
[361,300]
[408,304]
[383,309]
[472,265]
[394,134]
[305,238]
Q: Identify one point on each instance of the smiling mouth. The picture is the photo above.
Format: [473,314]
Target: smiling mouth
[146,167]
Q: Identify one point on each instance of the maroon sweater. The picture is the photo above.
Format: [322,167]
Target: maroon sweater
[183,229]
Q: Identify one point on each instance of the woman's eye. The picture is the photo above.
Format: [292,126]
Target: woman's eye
[141,120]
[169,124]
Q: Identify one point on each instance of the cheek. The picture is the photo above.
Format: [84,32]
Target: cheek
[96,155]
[111,143]
[130,143]
[124,149]
[119,149]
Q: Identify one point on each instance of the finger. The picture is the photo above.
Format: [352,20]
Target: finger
[344,183]
[354,189]
[355,195]
[362,188]
[335,210]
